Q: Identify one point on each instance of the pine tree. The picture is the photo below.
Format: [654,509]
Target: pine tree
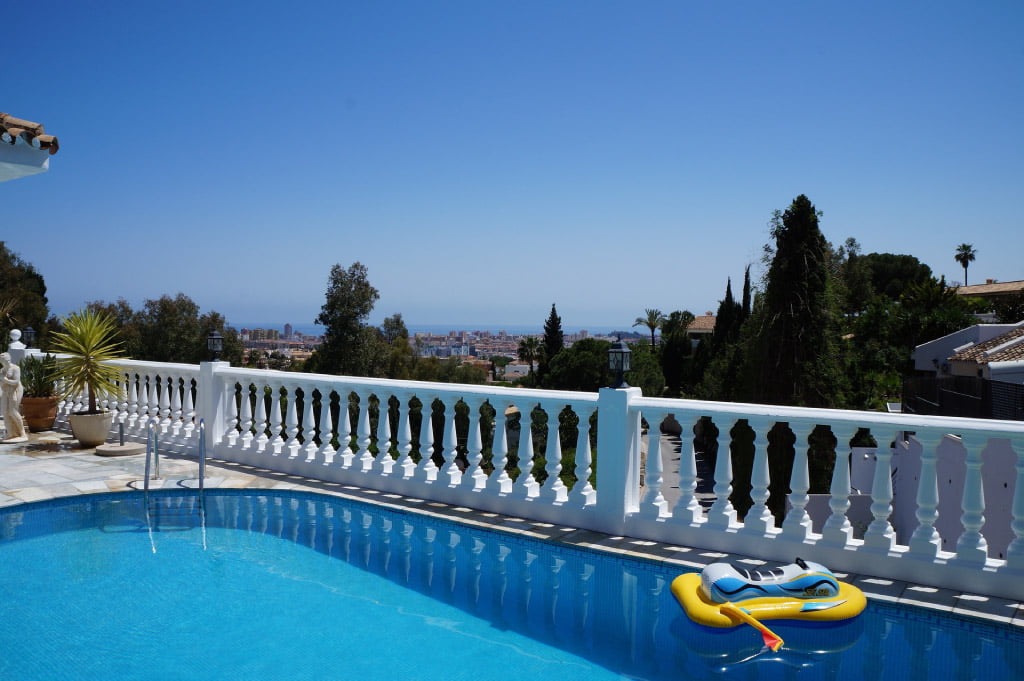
[553,340]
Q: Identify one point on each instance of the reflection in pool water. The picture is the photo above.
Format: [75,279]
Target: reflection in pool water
[284,585]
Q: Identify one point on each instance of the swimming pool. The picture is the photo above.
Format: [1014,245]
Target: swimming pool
[280,585]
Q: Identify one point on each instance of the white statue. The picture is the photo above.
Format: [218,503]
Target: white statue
[10,383]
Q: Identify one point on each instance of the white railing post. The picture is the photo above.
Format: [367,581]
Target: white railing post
[618,458]
[687,509]
[212,401]
[797,525]
[722,515]
[837,530]
[971,547]
[1015,551]
[925,541]
[880,533]
[758,520]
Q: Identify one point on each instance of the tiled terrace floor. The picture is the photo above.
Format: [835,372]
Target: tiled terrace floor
[51,465]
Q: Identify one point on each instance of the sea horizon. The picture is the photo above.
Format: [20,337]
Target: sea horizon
[441,329]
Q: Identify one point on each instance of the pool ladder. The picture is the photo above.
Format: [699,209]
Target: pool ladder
[163,512]
[153,453]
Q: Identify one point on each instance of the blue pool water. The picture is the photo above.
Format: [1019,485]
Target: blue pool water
[267,585]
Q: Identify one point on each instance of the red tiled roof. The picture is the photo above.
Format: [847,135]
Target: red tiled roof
[12,128]
[982,353]
[992,289]
[702,323]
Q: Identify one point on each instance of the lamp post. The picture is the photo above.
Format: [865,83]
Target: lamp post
[28,335]
[618,362]
[215,344]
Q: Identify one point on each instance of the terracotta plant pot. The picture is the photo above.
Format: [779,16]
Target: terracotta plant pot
[39,412]
[91,429]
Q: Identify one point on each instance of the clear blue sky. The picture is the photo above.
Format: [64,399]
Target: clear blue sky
[486,159]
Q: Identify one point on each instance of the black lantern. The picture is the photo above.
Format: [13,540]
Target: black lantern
[618,362]
[215,344]
[28,336]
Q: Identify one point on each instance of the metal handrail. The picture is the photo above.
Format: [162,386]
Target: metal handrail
[152,448]
[202,452]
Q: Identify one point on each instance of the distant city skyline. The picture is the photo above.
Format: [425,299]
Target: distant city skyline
[484,160]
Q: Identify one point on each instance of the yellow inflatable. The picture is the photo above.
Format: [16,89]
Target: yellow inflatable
[724,595]
[849,602]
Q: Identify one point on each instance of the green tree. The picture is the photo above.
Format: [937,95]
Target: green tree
[170,329]
[22,296]
[793,355]
[529,351]
[676,349]
[965,254]
[348,303]
[399,353]
[652,319]
[1010,309]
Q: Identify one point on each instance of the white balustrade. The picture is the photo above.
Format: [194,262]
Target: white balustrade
[274,420]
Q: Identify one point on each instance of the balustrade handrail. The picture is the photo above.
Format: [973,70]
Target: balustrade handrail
[825,416]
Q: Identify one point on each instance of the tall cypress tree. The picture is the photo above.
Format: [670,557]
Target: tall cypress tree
[793,356]
[553,340]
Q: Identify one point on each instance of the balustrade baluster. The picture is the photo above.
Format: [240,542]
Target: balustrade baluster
[404,464]
[582,493]
[925,541]
[526,485]
[364,434]
[164,383]
[262,418]
[188,409]
[291,423]
[325,453]
[309,448]
[143,410]
[450,473]
[797,525]
[759,520]
[122,394]
[427,469]
[971,547]
[176,423]
[474,477]
[276,442]
[880,533]
[345,430]
[245,408]
[384,463]
[653,505]
[499,480]
[837,530]
[133,401]
[1015,551]
[154,402]
[554,489]
[722,515]
[687,508]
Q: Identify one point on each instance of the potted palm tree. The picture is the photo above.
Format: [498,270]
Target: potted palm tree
[88,342]
[39,405]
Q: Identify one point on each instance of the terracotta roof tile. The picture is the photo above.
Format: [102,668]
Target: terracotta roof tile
[12,128]
[702,323]
[1005,347]
[996,288]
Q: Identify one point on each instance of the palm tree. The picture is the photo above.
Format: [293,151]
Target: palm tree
[964,255]
[652,321]
[529,350]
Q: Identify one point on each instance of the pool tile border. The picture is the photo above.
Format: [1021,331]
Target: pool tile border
[52,471]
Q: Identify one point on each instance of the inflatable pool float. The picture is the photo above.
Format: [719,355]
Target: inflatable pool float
[724,595]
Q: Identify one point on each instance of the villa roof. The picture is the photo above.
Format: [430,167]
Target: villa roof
[992,288]
[12,128]
[704,322]
[1003,348]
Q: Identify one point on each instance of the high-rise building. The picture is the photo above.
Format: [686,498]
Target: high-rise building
[287,331]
